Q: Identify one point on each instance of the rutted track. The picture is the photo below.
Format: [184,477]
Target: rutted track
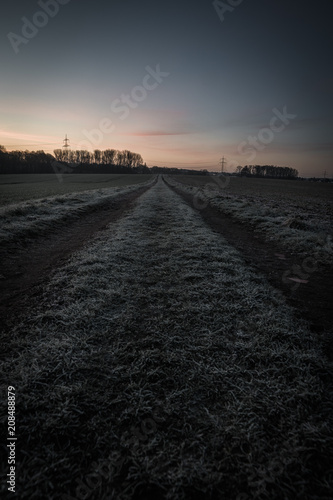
[312,301]
[160,312]
[25,266]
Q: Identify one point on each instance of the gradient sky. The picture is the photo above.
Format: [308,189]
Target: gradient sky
[225,79]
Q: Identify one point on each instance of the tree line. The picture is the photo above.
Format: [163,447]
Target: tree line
[268,171]
[108,157]
[80,161]
[14,162]
[112,161]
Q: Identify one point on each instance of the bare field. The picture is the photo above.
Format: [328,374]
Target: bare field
[157,364]
[273,188]
[23,187]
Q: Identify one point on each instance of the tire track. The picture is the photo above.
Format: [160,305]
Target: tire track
[160,311]
[24,267]
[312,301]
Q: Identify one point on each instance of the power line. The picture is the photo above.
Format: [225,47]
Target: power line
[184,162]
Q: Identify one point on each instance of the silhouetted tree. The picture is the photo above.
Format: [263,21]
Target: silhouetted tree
[269,171]
[97,156]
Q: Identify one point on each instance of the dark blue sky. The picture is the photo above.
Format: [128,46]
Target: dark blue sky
[176,82]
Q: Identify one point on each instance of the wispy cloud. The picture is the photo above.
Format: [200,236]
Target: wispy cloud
[150,133]
[37,138]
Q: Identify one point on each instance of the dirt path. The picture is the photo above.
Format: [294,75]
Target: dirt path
[311,300]
[27,268]
[24,270]
[158,364]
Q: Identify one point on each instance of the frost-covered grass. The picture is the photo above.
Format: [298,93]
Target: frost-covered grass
[15,188]
[301,225]
[21,221]
[158,350]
